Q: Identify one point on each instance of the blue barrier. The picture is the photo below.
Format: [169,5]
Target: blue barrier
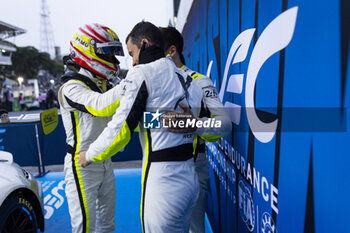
[20,140]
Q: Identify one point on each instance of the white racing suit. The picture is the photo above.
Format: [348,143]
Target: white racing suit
[213,107]
[169,180]
[85,113]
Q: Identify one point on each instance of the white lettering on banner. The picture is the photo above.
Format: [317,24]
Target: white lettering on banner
[246,205]
[263,185]
[54,200]
[242,165]
[267,45]
[274,193]
[239,47]
[254,178]
[267,224]
[231,179]
[256,181]
[209,69]
[249,173]
[226,174]
[276,36]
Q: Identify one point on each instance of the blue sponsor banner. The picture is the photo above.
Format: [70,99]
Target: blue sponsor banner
[281,68]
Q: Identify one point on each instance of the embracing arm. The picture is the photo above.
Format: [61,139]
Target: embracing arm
[75,94]
[118,132]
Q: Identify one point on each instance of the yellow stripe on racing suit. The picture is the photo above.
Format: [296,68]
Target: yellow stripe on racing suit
[77,93]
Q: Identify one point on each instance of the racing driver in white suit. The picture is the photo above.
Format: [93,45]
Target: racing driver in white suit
[155,85]
[86,108]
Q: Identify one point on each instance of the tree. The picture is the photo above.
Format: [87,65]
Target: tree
[27,61]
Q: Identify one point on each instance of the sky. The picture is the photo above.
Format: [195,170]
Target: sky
[68,15]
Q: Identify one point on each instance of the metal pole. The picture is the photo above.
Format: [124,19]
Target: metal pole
[41,173]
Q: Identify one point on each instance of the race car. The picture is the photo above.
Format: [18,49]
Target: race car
[21,204]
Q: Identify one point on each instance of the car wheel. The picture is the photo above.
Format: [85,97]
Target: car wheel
[17,215]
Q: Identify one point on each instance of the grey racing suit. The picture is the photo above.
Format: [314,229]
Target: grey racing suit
[90,191]
[214,108]
[169,181]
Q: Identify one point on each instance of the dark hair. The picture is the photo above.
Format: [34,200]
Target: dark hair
[146,30]
[171,37]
